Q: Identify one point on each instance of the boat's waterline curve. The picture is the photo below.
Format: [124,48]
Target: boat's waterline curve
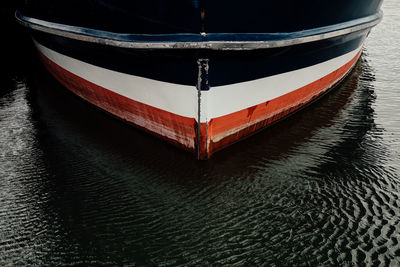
[197,128]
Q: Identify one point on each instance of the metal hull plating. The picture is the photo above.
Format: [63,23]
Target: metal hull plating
[204,91]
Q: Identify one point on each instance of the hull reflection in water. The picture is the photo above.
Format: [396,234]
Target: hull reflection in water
[309,195]
[206,85]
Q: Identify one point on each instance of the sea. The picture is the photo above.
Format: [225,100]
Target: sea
[321,188]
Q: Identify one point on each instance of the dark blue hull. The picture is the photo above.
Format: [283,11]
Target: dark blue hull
[225,67]
[194,16]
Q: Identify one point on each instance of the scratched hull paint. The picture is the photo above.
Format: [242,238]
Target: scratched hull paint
[222,131]
[178,129]
[220,125]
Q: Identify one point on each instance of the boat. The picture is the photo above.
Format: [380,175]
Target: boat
[200,74]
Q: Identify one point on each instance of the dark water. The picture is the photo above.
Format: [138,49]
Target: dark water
[78,187]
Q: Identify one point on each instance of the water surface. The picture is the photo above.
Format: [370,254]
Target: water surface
[78,187]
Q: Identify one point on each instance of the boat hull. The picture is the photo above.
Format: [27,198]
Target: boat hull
[228,112]
[198,91]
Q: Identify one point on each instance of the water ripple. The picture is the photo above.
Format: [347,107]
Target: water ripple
[78,187]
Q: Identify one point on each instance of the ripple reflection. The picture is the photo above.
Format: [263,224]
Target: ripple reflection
[81,188]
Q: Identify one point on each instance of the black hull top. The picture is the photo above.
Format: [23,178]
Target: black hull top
[194,16]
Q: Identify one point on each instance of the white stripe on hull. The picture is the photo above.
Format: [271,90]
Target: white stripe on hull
[174,98]
[182,99]
[223,100]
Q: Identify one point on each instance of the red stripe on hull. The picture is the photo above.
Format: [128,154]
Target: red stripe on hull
[177,129]
[182,131]
[225,130]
